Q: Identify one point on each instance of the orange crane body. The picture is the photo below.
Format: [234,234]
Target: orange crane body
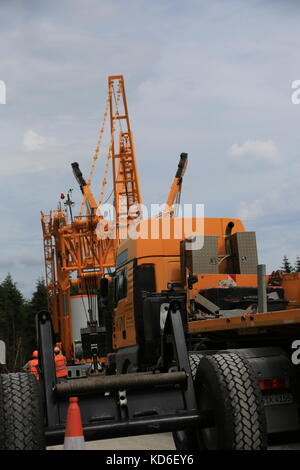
[74,246]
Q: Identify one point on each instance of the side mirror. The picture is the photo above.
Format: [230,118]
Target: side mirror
[192,279]
[2,353]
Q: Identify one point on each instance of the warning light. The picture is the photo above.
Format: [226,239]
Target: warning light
[62,196]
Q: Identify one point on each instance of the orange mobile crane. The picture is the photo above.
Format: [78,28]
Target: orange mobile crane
[200,338]
[71,244]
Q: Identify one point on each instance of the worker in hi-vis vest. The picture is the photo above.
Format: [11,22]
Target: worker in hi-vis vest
[32,366]
[60,365]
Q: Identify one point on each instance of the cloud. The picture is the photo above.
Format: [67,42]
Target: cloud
[32,141]
[272,205]
[251,210]
[40,154]
[263,151]
[199,92]
[31,259]
[6,263]
[29,164]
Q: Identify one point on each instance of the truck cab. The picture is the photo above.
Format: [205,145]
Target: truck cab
[174,257]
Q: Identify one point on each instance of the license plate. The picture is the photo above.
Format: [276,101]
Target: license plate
[278,399]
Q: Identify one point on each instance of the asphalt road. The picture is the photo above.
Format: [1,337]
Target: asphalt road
[153,442]
[149,442]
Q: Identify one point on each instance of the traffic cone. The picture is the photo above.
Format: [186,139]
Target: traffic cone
[74,439]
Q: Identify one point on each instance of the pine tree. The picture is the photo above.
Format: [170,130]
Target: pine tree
[12,322]
[37,303]
[297,265]
[39,297]
[17,321]
[286,265]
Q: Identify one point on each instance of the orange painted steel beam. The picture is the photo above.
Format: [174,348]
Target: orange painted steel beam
[252,320]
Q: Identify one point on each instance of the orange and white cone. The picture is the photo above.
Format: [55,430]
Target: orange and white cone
[74,439]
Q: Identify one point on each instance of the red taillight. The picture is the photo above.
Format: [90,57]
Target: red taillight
[271,384]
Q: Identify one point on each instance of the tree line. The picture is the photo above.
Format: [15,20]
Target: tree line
[17,321]
[287,267]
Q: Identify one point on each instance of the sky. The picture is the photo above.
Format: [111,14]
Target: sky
[206,77]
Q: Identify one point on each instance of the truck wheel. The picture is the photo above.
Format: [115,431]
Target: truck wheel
[225,384]
[195,359]
[186,439]
[21,413]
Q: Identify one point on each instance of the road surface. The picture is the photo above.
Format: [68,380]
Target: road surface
[149,442]
[152,442]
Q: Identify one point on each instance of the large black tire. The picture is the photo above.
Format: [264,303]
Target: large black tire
[195,359]
[21,413]
[226,385]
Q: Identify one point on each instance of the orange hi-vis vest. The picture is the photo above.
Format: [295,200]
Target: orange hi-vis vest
[33,368]
[60,366]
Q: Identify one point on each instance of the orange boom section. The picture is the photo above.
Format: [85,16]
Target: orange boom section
[75,256]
